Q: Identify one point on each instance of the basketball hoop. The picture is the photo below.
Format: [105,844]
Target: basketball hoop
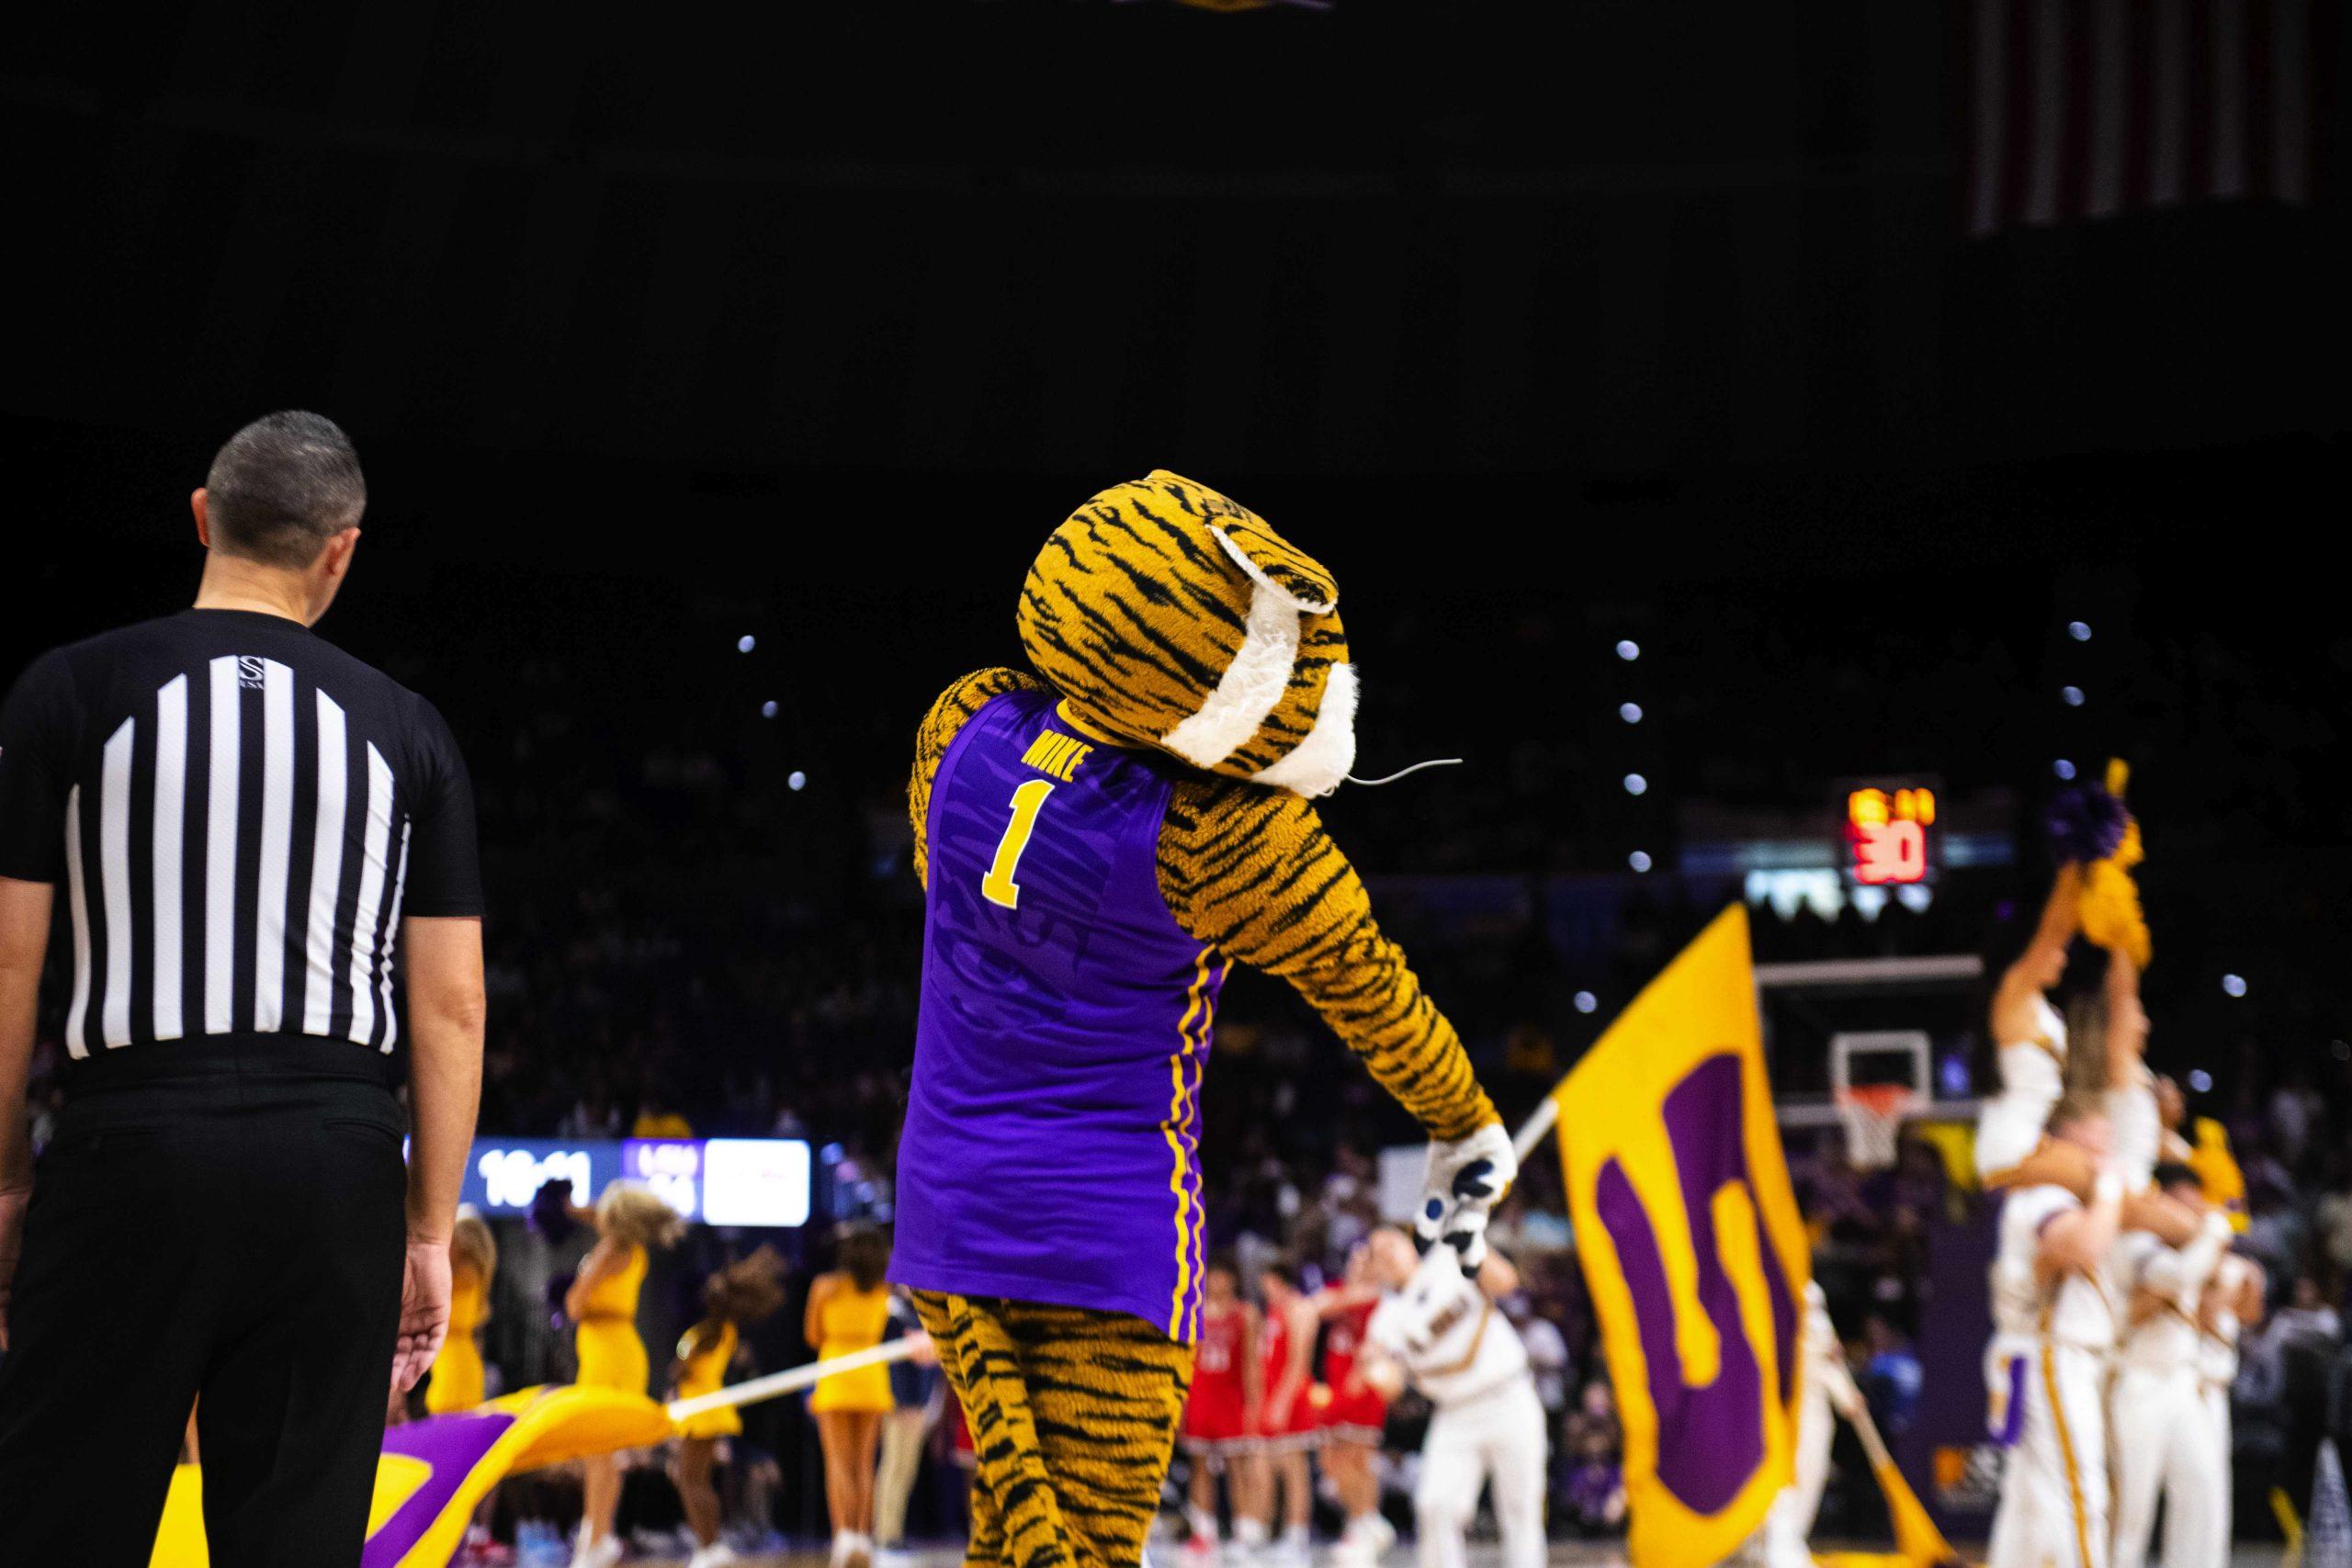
[1874,1115]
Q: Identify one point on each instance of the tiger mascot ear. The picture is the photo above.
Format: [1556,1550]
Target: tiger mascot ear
[1171,616]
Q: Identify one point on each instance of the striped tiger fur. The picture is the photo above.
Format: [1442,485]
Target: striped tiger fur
[1165,615]
[1169,615]
[1252,872]
[1073,1417]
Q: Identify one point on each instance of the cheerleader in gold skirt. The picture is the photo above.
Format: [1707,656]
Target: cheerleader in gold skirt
[602,1303]
[848,1310]
[457,1374]
[735,1298]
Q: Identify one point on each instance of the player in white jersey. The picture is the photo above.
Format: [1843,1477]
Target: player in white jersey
[1828,1385]
[2234,1298]
[2053,1325]
[1443,1332]
[2032,1037]
[2163,1432]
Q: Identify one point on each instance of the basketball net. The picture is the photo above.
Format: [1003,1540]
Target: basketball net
[1874,1116]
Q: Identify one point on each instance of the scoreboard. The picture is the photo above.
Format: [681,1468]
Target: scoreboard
[1888,837]
[721,1181]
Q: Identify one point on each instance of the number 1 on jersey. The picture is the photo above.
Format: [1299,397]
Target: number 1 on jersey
[998,886]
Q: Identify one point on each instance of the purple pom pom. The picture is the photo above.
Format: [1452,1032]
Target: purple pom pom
[2085,824]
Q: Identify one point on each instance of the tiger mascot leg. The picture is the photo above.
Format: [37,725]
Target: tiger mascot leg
[1073,1416]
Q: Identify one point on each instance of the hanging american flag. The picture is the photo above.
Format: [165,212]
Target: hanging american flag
[2088,109]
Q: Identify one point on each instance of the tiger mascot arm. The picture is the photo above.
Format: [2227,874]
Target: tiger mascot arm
[955,704]
[1252,872]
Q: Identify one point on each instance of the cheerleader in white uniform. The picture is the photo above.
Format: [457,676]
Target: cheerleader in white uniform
[2163,1440]
[2054,1320]
[2032,1039]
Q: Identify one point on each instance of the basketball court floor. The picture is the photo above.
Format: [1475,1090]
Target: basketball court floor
[1564,1554]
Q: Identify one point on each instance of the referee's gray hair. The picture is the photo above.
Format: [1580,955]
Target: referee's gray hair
[282,487]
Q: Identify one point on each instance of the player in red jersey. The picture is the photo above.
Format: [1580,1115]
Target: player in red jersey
[1355,1414]
[1291,1420]
[1222,1416]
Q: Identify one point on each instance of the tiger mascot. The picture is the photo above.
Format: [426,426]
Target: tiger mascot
[1098,848]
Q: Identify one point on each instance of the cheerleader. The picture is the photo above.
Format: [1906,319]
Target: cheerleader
[602,1303]
[733,1299]
[2032,1037]
[458,1376]
[1354,1415]
[1288,1424]
[848,1310]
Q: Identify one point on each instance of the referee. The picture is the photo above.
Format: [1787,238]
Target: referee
[244,826]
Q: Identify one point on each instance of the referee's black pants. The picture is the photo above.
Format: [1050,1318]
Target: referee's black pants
[217,1226]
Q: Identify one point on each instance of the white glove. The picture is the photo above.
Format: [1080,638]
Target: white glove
[1465,1179]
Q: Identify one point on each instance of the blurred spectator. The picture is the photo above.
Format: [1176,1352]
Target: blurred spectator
[2306,1321]
[655,1120]
[1547,1352]
[1595,1444]
[1891,1377]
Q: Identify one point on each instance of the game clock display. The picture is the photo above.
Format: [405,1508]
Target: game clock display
[754,1182]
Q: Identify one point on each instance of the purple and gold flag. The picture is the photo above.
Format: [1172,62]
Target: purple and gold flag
[434,1472]
[1693,1250]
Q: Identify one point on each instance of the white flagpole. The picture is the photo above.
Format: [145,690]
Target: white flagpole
[1532,1132]
[793,1379]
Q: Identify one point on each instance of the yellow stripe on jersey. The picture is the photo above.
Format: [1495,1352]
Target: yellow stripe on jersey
[1179,1092]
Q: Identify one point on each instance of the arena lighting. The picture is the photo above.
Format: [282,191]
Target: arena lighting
[1630,712]
[2200,1079]
[798,780]
[767,710]
[1628,649]
[1635,784]
[1639,860]
[745,643]
[2072,695]
[2233,985]
[1586,1002]
[2063,768]
[2079,631]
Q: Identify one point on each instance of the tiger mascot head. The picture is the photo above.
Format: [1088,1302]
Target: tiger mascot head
[1168,616]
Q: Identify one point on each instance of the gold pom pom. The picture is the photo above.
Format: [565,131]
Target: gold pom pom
[2109,906]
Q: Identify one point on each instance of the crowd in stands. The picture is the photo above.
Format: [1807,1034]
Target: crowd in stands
[673,952]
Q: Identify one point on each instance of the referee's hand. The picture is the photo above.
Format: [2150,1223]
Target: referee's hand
[424,1312]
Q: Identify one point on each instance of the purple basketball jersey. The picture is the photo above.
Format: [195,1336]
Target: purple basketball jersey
[1051,1146]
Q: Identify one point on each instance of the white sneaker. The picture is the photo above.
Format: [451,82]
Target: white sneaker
[604,1554]
[717,1554]
[1364,1541]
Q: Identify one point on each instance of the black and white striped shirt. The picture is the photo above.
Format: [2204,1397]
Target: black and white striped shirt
[240,814]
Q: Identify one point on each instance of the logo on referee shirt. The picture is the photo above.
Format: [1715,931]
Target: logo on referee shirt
[249,670]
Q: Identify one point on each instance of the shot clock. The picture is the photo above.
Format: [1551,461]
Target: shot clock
[1889,836]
